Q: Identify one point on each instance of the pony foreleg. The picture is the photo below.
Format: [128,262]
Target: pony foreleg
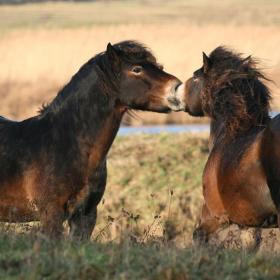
[83,220]
[51,218]
[82,224]
[270,159]
[207,224]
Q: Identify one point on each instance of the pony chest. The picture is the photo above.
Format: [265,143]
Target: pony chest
[211,191]
[102,143]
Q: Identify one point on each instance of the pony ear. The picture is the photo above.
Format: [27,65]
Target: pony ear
[247,59]
[112,53]
[206,62]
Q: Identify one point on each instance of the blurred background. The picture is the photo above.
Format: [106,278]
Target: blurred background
[42,44]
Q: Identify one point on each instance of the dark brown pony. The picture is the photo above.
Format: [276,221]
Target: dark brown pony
[53,165]
[241,179]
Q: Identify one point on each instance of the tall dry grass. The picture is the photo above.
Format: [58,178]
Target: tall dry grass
[40,53]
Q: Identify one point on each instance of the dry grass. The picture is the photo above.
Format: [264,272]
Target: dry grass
[168,194]
[42,46]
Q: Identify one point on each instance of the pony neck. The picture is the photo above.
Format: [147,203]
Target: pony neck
[219,133]
[85,113]
[216,132]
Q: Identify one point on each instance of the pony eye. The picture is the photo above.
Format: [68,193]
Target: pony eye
[195,78]
[137,69]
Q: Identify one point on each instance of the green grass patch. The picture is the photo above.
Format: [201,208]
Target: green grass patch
[29,257]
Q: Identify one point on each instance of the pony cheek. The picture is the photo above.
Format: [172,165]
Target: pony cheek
[194,104]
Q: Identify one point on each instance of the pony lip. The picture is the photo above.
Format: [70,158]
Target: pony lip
[175,104]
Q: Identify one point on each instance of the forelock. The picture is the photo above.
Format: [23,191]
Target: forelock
[136,52]
[224,58]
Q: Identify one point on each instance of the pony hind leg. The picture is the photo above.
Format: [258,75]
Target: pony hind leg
[270,159]
[273,182]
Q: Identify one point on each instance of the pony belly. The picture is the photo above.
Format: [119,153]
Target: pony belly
[211,193]
[16,205]
[17,211]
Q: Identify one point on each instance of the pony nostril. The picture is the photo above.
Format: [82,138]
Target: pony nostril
[174,101]
[176,87]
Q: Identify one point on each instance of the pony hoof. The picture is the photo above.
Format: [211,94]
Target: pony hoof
[200,237]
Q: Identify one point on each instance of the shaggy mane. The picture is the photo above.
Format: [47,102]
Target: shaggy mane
[135,52]
[235,91]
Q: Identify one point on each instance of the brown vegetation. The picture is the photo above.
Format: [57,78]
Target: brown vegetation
[42,46]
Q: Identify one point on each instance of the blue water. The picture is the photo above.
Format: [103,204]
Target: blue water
[155,129]
[273,114]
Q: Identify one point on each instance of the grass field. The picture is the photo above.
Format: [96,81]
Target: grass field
[23,258]
[144,226]
[42,46]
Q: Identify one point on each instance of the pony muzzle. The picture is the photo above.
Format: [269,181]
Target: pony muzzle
[176,100]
